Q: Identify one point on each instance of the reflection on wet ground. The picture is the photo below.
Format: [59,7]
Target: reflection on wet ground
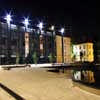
[93,88]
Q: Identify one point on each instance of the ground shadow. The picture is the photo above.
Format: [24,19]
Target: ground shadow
[94,85]
[12,93]
[53,70]
[92,88]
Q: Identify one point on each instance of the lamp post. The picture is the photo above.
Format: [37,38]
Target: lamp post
[40,26]
[52,42]
[8,20]
[26,23]
[62,33]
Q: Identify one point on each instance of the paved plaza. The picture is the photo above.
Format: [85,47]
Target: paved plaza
[39,84]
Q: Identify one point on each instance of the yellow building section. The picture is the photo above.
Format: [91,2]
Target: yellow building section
[90,55]
[67,49]
[58,49]
[83,52]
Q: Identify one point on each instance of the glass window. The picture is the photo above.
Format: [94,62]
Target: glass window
[83,46]
[84,53]
[80,47]
[89,46]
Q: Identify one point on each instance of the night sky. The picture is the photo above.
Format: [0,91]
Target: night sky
[81,14]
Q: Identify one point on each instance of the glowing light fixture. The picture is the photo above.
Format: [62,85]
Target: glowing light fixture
[26,22]
[62,30]
[40,25]
[52,28]
[8,18]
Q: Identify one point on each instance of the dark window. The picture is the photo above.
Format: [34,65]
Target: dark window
[3,41]
[80,47]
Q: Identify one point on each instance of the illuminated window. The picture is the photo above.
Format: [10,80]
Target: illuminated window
[89,53]
[89,46]
[84,53]
[84,47]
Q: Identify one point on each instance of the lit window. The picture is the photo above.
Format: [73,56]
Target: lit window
[84,46]
[84,53]
[89,46]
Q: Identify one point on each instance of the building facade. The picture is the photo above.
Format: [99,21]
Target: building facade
[83,52]
[12,44]
[19,45]
[66,49]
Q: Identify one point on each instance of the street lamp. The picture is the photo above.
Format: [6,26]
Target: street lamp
[8,18]
[52,42]
[26,23]
[52,28]
[40,26]
[62,33]
[62,30]
[8,43]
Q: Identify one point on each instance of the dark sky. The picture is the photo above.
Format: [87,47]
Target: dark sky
[81,14]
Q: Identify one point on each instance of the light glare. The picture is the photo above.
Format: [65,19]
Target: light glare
[26,22]
[40,25]
[52,28]
[8,18]
[62,30]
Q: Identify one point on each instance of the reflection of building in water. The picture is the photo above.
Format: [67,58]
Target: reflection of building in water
[67,49]
[83,52]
